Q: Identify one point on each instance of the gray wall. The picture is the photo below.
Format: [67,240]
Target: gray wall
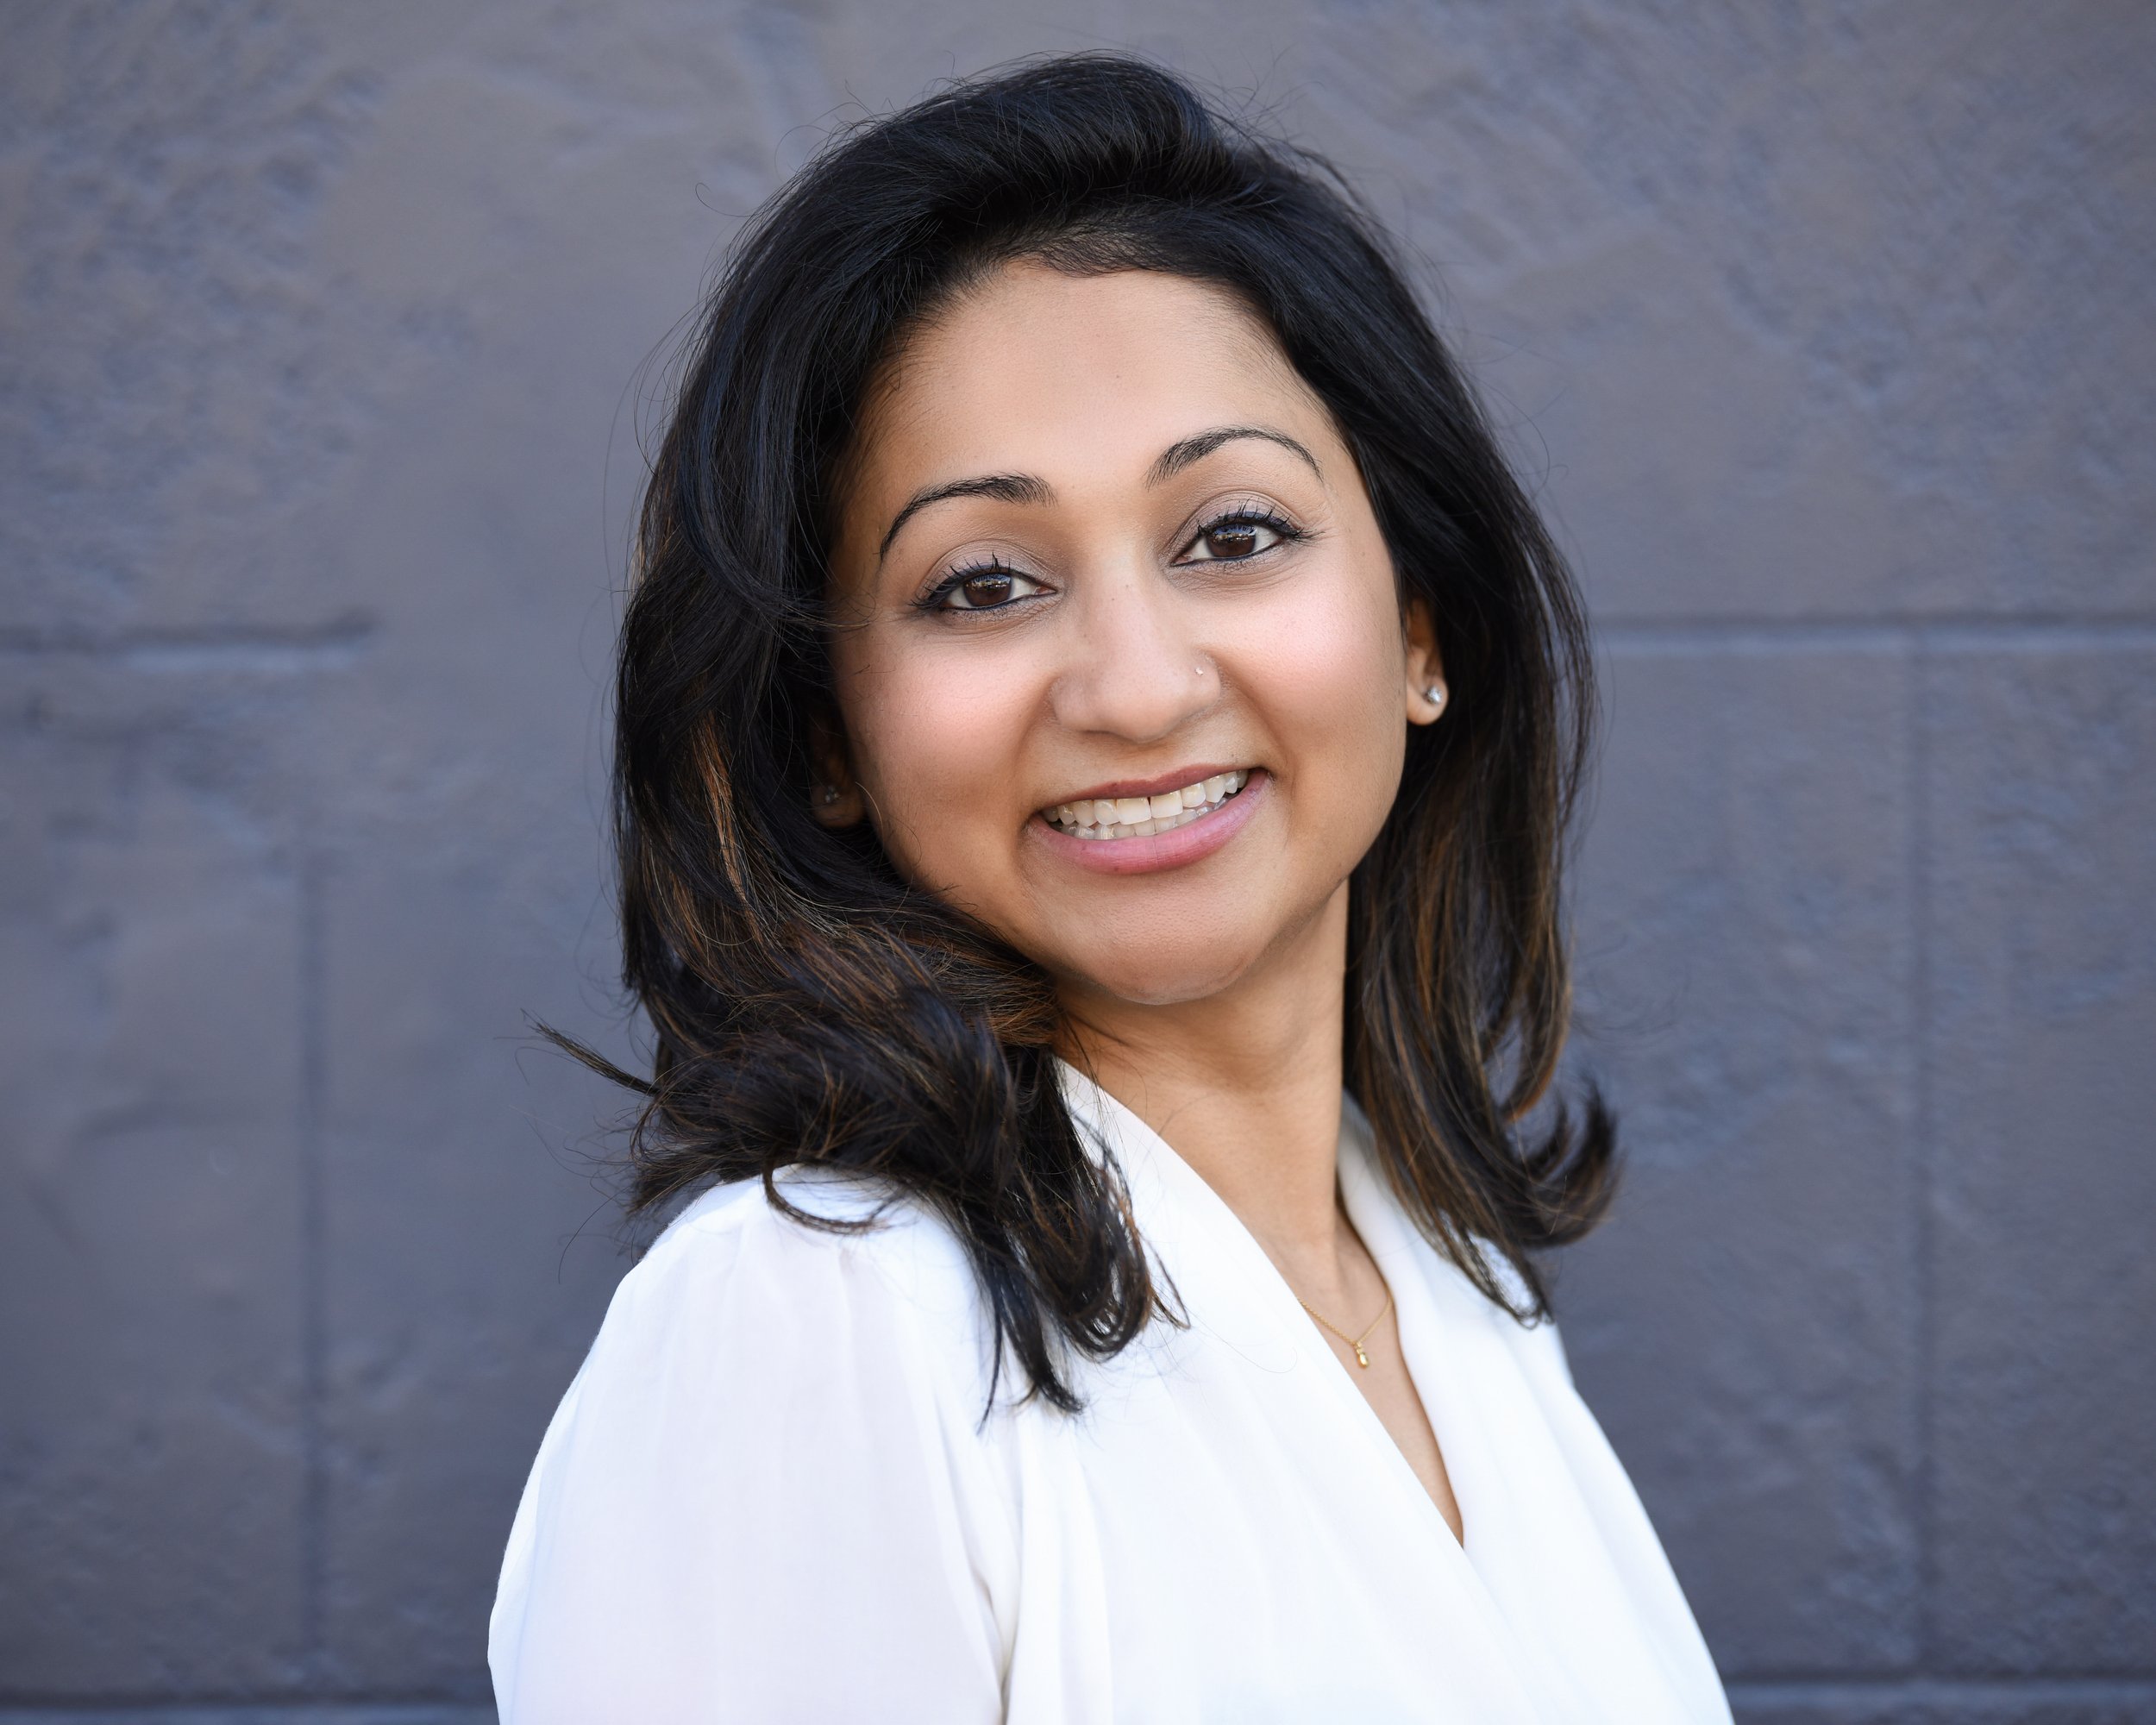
[1826,332]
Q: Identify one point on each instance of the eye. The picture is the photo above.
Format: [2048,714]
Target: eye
[1237,537]
[988,586]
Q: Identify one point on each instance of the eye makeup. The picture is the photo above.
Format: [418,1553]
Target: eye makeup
[1243,533]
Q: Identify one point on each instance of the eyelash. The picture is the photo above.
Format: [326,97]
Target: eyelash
[1287,532]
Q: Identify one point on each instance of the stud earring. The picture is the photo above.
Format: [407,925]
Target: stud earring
[829,795]
[1435,695]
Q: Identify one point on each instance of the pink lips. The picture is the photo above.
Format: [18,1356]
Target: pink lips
[1148,854]
[1173,780]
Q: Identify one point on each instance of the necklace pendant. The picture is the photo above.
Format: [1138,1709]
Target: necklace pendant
[1361,1358]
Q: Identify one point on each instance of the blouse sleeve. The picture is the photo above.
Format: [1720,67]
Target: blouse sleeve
[762,1499]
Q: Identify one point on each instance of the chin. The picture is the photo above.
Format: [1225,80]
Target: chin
[1155,979]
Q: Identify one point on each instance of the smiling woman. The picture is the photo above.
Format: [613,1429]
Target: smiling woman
[1097,726]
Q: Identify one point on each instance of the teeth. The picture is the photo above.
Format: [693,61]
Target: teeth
[1142,817]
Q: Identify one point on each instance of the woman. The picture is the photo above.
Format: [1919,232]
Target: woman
[1097,723]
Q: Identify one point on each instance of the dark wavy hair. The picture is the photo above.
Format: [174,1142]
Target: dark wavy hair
[812,1006]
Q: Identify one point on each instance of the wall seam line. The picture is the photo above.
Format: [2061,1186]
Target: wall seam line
[1924,1243]
[314,1057]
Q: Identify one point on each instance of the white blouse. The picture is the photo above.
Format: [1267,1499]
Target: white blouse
[771,1494]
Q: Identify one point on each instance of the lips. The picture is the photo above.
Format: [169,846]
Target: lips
[1145,817]
[1118,848]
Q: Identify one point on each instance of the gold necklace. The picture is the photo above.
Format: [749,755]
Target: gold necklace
[1355,1342]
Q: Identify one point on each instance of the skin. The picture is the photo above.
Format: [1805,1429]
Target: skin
[1111,638]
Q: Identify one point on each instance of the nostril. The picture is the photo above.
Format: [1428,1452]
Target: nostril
[1138,696]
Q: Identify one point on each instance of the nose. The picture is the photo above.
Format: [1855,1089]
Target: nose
[1138,671]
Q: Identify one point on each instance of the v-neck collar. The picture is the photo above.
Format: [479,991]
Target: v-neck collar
[1181,1218]
[1455,1345]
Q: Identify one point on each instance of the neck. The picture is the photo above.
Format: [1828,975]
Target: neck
[1244,1085]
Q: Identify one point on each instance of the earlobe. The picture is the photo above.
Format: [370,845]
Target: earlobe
[836,804]
[835,799]
[1426,693]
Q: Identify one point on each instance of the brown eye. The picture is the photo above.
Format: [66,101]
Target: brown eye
[989,588]
[1236,538]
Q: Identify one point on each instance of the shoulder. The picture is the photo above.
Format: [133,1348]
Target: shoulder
[817,1228]
[838,1265]
[778,1429]
[1535,1340]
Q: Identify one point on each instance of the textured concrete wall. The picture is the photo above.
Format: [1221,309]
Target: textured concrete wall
[1827,333]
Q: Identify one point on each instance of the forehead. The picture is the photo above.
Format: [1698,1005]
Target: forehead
[1036,370]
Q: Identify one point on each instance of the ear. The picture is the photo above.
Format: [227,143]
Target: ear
[835,797]
[1426,691]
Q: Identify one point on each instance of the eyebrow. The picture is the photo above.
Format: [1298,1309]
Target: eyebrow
[1027,488]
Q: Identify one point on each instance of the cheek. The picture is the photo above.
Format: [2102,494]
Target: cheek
[1328,679]
[935,736]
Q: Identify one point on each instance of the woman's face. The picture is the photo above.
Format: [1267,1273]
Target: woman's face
[1103,559]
